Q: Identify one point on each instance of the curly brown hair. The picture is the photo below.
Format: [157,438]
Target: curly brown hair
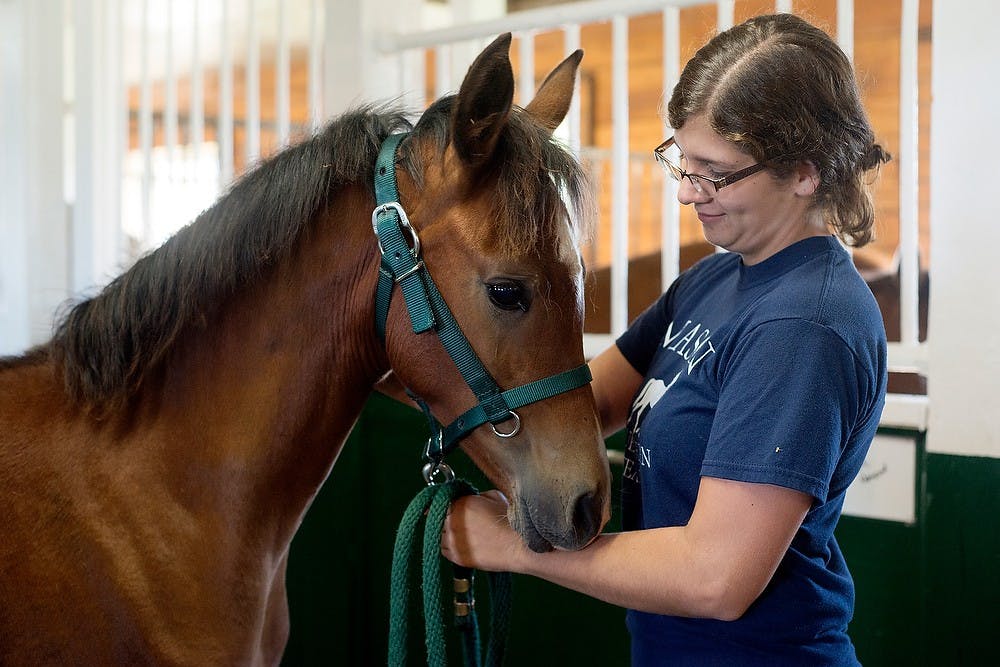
[782,91]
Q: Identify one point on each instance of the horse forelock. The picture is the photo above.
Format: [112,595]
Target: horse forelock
[538,186]
[107,344]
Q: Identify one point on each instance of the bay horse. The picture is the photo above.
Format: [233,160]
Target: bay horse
[159,452]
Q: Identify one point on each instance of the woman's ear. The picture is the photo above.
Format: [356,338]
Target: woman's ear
[806,178]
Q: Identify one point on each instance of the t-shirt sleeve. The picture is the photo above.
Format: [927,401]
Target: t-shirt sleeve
[789,392]
[640,341]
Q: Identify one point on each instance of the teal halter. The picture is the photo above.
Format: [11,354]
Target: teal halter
[401,263]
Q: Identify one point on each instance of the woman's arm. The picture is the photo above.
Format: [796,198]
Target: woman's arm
[615,383]
[714,567]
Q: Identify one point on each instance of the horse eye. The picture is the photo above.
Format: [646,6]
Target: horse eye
[508,295]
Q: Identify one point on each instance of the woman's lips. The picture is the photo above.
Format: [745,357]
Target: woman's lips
[707,218]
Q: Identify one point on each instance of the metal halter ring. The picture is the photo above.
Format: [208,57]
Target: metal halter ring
[437,473]
[514,431]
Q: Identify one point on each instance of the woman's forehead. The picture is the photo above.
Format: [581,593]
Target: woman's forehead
[699,142]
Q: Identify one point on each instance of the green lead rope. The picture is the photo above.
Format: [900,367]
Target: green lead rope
[431,505]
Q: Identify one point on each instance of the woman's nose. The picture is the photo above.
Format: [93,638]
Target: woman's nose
[687,193]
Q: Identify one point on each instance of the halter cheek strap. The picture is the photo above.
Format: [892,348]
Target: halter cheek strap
[401,264]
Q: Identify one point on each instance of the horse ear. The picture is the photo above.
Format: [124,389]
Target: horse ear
[552,100]
[483,103]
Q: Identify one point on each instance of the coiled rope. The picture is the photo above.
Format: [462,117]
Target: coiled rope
[431,506]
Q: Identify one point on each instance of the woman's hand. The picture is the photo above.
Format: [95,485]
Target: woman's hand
[477,534]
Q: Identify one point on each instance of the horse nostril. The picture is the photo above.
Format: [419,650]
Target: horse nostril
[587,514]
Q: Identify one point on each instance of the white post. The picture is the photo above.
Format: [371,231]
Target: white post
[354,71]
[282,91]
[670,241]
[725,14]
[101,131]
[15,321]
[33,215]
[573,118]
[251,77]
[845,27]
[964,318]
[909,178]
[145,123]
[224,129]
[620,175]
[170,111]
[316,25]
[197,100]
[526,67]
[442,70]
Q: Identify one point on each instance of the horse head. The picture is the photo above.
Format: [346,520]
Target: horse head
[496,204]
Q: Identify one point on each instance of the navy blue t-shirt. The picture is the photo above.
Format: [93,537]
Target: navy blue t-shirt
[773,373]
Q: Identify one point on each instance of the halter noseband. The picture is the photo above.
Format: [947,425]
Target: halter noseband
[401,263]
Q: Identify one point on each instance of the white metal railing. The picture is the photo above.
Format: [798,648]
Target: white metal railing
[909,354]
[909,351]
[568,18]
[238,31]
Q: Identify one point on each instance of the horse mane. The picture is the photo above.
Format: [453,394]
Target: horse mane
[108,344]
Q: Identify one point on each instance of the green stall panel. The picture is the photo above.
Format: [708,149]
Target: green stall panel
[928,590]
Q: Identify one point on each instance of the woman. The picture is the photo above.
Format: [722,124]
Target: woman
[752,388]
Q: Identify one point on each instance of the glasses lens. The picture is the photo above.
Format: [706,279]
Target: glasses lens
[669,163]
[701,184]
[669,158]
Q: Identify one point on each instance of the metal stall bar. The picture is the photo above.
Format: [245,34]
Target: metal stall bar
[99,136]
[619,174]
[571,42]
[909,143]
[170,125]
[315,63]
[196,127]
[725,13]
[845,27]
[145,122]
[526,69]
[670,244]
[415,78]
[442,70]
[282,92]
[251,75]
[225,121]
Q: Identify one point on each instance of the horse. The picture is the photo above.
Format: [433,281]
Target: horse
[158,454]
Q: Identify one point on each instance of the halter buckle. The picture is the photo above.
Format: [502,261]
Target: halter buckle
[404,225]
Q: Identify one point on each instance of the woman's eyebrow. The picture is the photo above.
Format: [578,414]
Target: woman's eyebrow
[705,160]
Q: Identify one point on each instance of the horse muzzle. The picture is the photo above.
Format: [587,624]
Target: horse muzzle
[566,528]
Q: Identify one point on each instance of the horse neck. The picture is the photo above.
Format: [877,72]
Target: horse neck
[266,397]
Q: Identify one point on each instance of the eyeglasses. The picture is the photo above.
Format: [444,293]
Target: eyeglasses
[700,183]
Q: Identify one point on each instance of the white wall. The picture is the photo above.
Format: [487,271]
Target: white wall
[964,317]
[353,72]
[34,261]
